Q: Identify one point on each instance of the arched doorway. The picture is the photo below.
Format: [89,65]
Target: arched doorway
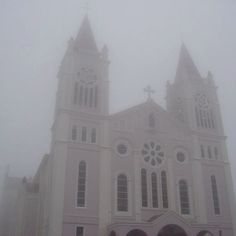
[172,230]
[136,232]
[112,233]
[204,233]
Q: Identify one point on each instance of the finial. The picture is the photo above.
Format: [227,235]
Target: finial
[86,7]
[149,92]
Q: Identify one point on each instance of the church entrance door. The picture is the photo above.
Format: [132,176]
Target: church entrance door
[172,230]
[136,232]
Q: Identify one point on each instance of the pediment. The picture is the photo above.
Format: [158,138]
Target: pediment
[149,117]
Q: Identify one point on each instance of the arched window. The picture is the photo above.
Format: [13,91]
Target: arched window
[75,93]
[154,191]
[151,120]
[74,132]
[81,94]
[184,197]
[216,153]
[209,152]
[91,97]
[215,195]
[84,134]
[93,135]
[122,193]
[197,116]
[96,96]
[144,188]
[85,96]
[164,189]
[202,151]
[81,184]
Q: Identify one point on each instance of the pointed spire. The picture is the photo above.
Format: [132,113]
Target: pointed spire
[186,69]
[85,39]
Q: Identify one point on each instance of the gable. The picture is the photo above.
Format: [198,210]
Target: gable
[148,118]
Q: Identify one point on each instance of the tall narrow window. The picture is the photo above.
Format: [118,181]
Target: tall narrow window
[91,97]
[81,94]
[209,120]
[122,193]
[79,231]
[216,153]
[96,96]
[144,188]
[74,132]
[202,151]
[154,191]
[81,184]
[75,93]
[151,120]
[184,197]
[93,135]
[197,116]
[215,195]
[85,96]
[209,152]
[84,134]
[212,119]
[164,189]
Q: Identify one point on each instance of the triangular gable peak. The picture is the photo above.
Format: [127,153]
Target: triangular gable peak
[151,116]
[186,69]
[164,220]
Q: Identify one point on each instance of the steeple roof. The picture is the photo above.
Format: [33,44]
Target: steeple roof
[85,39]
[186,69]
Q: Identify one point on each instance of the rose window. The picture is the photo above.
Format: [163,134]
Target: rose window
[153,154]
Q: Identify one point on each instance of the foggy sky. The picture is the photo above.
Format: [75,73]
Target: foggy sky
[143,37]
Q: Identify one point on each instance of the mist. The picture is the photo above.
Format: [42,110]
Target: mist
[144,39]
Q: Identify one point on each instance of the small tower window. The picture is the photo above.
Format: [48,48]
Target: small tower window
[91,97]
[164,189]
[202,151]
[81,94]
[74,132]
[216,153]
[75,93]
[93,135]
[85,96]
[209,152]
[122,193]
[96,96]
[184,197]
[144,188]
[84,134]
[151,120]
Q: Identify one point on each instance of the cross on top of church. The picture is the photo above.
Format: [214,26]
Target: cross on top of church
[149,91]
[86,7]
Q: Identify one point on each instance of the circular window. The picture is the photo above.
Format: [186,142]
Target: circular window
[152,153]
[122,149]
[180,156]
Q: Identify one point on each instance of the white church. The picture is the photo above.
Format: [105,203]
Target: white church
[143,171]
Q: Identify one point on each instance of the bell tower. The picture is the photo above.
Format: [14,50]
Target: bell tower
[83,75]
[193,99]
[77,134]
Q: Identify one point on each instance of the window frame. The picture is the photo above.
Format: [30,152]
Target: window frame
[77,186]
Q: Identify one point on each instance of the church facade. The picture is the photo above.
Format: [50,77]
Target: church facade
[144,171]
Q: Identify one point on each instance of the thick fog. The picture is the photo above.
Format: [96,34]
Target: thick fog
[143,38]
